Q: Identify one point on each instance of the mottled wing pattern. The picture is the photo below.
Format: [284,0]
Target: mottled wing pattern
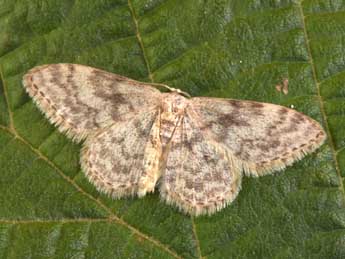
[265,137]
[123,158]
[199,177]
[134,133]
[82,99]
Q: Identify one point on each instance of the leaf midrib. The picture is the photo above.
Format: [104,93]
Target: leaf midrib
[320,99]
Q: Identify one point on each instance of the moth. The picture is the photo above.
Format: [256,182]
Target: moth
[196,150]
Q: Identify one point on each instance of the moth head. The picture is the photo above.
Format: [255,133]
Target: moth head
[174,102]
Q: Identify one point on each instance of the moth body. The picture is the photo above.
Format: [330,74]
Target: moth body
[171,110]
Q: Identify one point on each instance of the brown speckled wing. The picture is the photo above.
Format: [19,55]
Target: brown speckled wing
[81,99]
[199,177]
[123,159]
[264,137]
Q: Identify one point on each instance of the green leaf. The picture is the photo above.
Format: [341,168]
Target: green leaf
[222,48]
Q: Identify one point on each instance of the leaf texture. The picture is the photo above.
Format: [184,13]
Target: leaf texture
[229,49]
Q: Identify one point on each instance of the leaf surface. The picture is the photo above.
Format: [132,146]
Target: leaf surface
[229,49]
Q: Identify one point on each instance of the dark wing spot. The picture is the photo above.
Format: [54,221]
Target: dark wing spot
[199,186]
[291,128]
[70,76]
[256,105]
[263,147]
[236,104]
[189,184]
[274,143]
[56,74]
[141,131]
[232,119]
[295,120]
[118,98]
[102,75]
[217,176]
[283,110]
[320,134]
[257,111]
[188,145]
[299,117]
[209,159]
[111,96]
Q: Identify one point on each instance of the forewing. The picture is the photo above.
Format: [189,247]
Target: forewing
[199,176]
[82,99]
[120,157]
[265,137]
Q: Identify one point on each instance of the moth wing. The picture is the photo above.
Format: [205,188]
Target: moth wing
[81,99]
[123,159]
[265,137]
[199,176]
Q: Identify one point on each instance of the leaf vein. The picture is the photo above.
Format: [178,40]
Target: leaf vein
[135,21]
[114,217]
[320,99]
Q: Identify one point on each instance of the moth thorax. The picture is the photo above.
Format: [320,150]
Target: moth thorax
[174,103]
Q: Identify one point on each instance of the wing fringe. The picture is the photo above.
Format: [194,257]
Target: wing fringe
[272,166]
